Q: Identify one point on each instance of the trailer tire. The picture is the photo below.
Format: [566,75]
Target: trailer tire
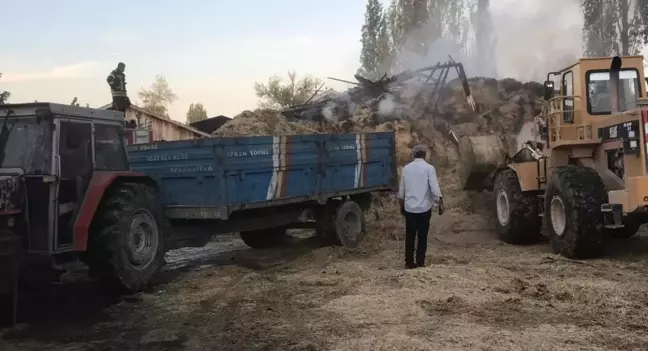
[349,224]
[573,217]
[128,235]
[264,238]
[517,216]
[325,224]
[10,256]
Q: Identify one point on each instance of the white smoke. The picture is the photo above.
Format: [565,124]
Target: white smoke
[530,38]
[327,111]
[387,106]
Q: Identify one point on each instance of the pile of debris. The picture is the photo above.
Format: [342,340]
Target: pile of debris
[418,115]
[261,122]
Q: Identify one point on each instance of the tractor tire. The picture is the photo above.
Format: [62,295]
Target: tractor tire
[128,235]
[630,229]
[518,221]
[573,218]
[264,238]
[10,255]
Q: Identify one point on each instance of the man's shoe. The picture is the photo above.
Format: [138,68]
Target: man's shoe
[420,264]
[410,266]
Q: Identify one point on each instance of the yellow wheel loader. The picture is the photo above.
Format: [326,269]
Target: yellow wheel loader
[584,177]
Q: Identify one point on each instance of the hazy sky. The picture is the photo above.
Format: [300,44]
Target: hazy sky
[211,51]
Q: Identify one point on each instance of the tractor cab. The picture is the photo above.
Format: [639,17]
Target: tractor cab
[48,154]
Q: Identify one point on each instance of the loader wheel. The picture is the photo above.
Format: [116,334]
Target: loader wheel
[10,252]
[518,222]
[264,238]
[573,217]
[127,242]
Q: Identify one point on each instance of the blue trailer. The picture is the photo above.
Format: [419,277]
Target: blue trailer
[70,190]
[262,186]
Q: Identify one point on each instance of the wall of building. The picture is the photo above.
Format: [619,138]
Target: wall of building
[162,129]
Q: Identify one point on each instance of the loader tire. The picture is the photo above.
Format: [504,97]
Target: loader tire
[573,218]
[518,221]
[127,238]
[264,238]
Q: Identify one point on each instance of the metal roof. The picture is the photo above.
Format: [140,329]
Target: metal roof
[31,108]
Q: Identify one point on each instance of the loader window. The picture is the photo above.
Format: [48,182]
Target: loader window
[568,102]
[598,91]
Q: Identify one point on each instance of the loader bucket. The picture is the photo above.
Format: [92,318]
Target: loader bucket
[481,156]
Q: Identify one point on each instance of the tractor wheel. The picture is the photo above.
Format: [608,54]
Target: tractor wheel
[573,217]
[630,228]
[518,221]
[264,238]
[10,252]
[127,242]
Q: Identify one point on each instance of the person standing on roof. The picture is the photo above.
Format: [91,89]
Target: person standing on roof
[418,192]
[117,82]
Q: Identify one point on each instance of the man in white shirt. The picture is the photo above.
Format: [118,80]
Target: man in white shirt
[418,191]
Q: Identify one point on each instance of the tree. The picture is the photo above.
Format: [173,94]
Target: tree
[4,95]
[196,113]
[158,98]
[370,55]
[282,94]
[614,27]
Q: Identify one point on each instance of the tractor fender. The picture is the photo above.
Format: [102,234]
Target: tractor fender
[100,183]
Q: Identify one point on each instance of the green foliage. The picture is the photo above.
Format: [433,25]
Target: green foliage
[278,93]
[158,97]
[196,113]
[371,56]
[4,95]
[613,27]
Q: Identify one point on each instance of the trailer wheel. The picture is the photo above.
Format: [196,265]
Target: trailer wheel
[325,224]
[349,224]
[127,243]
[573,217]
[10,251]
[518,221]
[264,238]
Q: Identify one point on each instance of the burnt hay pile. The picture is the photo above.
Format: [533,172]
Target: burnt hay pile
[503,107]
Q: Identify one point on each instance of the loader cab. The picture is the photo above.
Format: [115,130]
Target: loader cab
[48,154]
[586,93]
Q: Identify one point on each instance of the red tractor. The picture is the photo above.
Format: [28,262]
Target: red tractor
[67,194]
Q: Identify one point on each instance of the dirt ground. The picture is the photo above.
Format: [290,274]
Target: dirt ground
[475,294]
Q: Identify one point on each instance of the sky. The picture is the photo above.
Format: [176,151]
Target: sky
[210,51]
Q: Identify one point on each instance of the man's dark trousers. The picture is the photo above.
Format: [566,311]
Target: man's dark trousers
[417,226]
[121,103]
